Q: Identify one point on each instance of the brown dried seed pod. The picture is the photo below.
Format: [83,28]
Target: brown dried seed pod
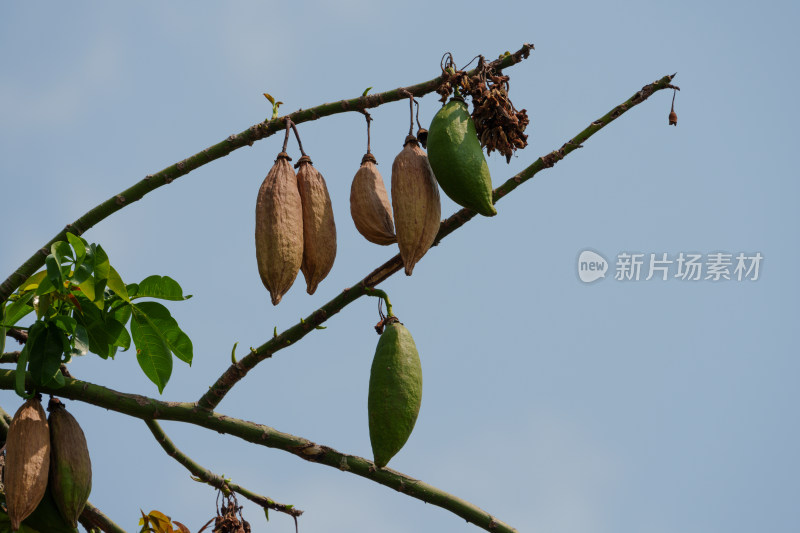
[369,204]
[279,229]
[70,465]
[319,229]
[415,199]
[27,461]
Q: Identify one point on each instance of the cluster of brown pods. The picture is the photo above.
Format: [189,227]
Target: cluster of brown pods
[44,453]
[412,219]
[295,229]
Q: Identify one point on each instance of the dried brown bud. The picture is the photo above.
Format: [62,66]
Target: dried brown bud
[319,229]
[279,228]
[673,118]
[369,204]
[415,199]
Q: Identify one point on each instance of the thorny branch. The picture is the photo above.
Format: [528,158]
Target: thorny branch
[147,408]
[212,479]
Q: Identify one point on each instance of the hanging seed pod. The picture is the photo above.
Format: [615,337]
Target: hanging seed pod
[319,229]
[279,228]
[415,200]
[457,159]
[673,116]
[369,204]
[70,465]
[27,461]
[395,391]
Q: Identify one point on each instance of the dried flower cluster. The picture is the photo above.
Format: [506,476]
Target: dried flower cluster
[497,122]
[229,517]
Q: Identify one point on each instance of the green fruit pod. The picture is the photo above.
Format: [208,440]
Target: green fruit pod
[395,392]
[457,160]
[70,467]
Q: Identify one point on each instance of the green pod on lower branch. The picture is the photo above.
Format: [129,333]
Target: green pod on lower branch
[457,160]
[70,467]
[395,392]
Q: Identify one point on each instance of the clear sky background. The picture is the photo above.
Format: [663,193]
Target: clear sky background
[650,406]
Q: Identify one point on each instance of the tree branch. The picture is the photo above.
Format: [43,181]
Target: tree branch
[90,514]
[9,357]
[149,408]
[212,479]
[238,370]
[233,142]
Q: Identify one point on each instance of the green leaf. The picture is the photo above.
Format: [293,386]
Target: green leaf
[133,289]
[46,286]
[45,356]
[162,287]
[91,319]
[152,351]
[119,335]
[122,314]
[116,284]
[80,341]
[54,273]
[42,305]
[65,323]
[18,309]
[87,288]
[102,267]
[270,98]
[62,252]
[33,281]
[368,89]
[19,375]
[2,329]
[79,245]
[104,331]
[167,327]
[266,513]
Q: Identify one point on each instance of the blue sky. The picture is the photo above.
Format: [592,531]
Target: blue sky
[650,406]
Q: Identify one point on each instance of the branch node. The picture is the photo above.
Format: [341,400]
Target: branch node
[181,165]
[232,138]
[119,199]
